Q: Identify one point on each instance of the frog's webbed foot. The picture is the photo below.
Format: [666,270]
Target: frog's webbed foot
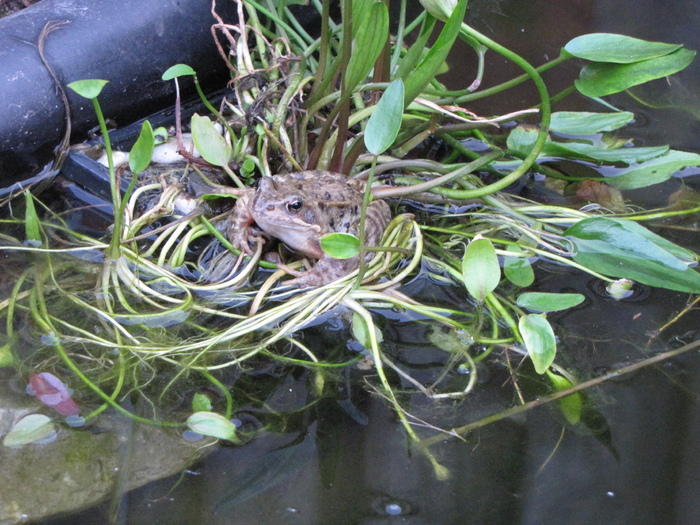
[246,239]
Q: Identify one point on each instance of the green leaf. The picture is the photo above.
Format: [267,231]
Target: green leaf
[209,143]
[410,60]
[521,140]
[607,47]
[361,332]
[540,343]
[419,77]
[581,150]
[518,270]
[571,406]
[603,78]
[142,151]
[29,429]
[6,357]
[480,270]
[178,70]
[370,41]
[201,403]
[549,302]
[587,123]
[654,171]
[621,248]
[340,245]
[212,424]
[32,225]
[88,88]
[384,124]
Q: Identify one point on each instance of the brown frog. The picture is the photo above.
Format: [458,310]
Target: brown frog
[299,209]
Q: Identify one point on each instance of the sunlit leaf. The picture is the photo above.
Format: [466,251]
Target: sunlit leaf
[419,77]
[654,171]
[540,343]
[88,88]
[340,245]
[384,124]
[587,123]
[608,47]
[29,429]
[32,225]
[621,248]
[571,406]
[549,302]
[212,424]
[142,151]
[209,142]
[178,70]
[518,270]
[370,41]
[480,270]
[602,78]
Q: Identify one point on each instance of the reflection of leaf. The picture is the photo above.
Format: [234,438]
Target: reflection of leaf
[570,406]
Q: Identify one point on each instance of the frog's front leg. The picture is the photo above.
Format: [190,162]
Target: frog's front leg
[240,230]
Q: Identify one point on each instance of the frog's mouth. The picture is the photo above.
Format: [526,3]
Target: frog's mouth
[299,236]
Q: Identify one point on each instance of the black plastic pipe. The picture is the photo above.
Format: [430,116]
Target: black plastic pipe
[128,42]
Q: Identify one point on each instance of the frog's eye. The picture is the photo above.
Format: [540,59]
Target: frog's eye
[295,205]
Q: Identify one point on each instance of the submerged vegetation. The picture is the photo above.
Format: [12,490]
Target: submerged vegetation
[163,303]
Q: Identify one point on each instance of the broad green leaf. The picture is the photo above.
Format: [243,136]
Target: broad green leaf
[209,143]
[602,78]
[419,77]
[32,225]
[88,88]
[521,140]
[178,70]
[6,357]
[571,406]
[340,245]
[654,171]
[621,248]
[480,270]
[142,151]
[540,343]
[29,429]
[370,41]
[587,123]
[518,270]
[607,47]
[581,150]
[201,403]
[549,302]
[212,424]
[384,124]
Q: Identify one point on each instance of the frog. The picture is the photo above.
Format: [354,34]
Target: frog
[298,209]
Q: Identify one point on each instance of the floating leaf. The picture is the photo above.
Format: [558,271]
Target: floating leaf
[654,171]
[587,123]
[573,150]
[384,124]
[621,248]
[608,47]
[142,151]
[549,302]
[88,88]
[367,46]
[539,340]
[571,406]
[201,403]
[600,79]
[480,270]
[340,245]
[29,429]
[178,70]
[209,142]
[518,270]
[212,424]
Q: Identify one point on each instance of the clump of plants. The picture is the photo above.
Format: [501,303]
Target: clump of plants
[165,290]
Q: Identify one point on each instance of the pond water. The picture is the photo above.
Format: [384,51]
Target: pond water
[346,459]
